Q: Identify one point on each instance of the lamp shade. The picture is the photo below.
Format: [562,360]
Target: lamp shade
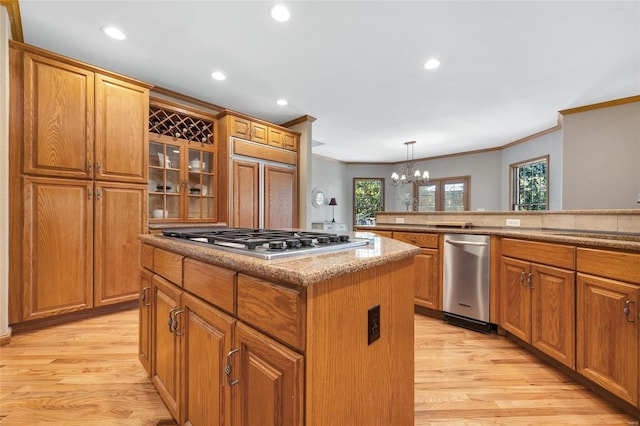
[333,202]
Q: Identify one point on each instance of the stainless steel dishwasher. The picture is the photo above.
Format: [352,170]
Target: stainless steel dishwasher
[466,281]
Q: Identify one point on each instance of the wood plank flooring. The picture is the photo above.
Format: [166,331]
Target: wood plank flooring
[87,373]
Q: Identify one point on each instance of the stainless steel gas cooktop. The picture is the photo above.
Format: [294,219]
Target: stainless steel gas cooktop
[265,243]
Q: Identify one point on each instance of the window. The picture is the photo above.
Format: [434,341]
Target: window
[449,195]
[368,198]
[530,184]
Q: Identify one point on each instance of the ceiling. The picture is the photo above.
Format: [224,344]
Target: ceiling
[357,66]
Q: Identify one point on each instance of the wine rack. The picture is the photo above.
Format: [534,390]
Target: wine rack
[180,125]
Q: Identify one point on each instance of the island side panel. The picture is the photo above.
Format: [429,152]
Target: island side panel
[348,380]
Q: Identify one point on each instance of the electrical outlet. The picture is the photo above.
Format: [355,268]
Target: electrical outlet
[513,222]
[373,324]
[399,219]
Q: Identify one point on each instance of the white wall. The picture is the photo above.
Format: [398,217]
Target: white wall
[549,144]
[601,151]
[4,172]
[329,176]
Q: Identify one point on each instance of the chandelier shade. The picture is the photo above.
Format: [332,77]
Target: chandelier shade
[410,172]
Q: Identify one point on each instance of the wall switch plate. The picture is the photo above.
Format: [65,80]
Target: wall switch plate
[513,222]
[399,219]
[373,324]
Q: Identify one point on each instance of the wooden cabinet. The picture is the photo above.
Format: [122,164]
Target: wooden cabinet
[58,238]
[428,285]
[121,135]
[80,134]
[254,131]
[79,123]
[280,197]
[119,217]
[183,164]
[282,139]
[264,194]
[270,389]
[265,362]
[246,194]
[166,355]
[608,331]
[538,301]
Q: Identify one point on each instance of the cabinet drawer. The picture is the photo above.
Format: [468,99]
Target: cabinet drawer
[610,264]
[417,239]
[559,255]
[168,265]
[146,256]
[214,284]
[276,310]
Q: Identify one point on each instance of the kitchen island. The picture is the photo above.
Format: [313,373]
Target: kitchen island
[324,339]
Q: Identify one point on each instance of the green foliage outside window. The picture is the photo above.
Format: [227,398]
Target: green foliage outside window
[368,199]
[530,186]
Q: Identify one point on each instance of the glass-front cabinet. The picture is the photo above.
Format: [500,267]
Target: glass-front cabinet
[182,169]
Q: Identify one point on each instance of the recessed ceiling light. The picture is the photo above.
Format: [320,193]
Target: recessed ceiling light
[282,102]
[114,33]
[218,75]
[280,13]
[431,64]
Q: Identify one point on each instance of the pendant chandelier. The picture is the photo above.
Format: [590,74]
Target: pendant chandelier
[410,172]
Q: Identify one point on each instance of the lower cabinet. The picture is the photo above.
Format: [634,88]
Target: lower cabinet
[211,369]
[538,301]
[428,285]
[608,326]
[80,244]
[144,320]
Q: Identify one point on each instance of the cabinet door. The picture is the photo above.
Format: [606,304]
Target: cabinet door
[290,141]
[122,131]
[144,339]
[200,185]
[270,389]
[165,364]
[57,242]
[515,297]
[427,283]
[553,308]
[259,133]
[120,216]
[206,342]
[280,197]
[240,128]
[607,340]
[58,118]
[246,194]
[275,137]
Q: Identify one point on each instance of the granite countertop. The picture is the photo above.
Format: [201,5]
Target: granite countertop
[582,238]
[303,270]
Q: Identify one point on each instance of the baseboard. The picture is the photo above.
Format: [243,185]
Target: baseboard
[5,339]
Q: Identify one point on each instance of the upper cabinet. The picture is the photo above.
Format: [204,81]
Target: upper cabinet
[183,164]
[82,123]
[262,132]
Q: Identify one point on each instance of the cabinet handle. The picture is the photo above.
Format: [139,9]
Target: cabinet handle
[143,296]
[529,277]
[99,194]
[99,167]
[90,166]
[90,193]
[522,278]
[626,310]
[170,320]
[228,368]
[175,323]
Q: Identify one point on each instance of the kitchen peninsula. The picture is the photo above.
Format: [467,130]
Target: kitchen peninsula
[318,340]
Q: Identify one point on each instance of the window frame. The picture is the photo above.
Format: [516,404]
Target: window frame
[353,191]
[514,166]
[440,183]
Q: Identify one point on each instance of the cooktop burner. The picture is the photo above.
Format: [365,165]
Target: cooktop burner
[265,243]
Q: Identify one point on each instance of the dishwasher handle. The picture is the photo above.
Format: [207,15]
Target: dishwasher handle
[465,243]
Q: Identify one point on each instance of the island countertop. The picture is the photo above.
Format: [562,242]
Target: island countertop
[303,270]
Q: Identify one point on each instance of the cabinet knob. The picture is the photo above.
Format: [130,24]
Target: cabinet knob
[171,320]
[529,278]
[143,296]
[522,274]
[89,166]
[175,323]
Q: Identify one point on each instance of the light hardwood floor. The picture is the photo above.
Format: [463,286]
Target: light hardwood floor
[87,373]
